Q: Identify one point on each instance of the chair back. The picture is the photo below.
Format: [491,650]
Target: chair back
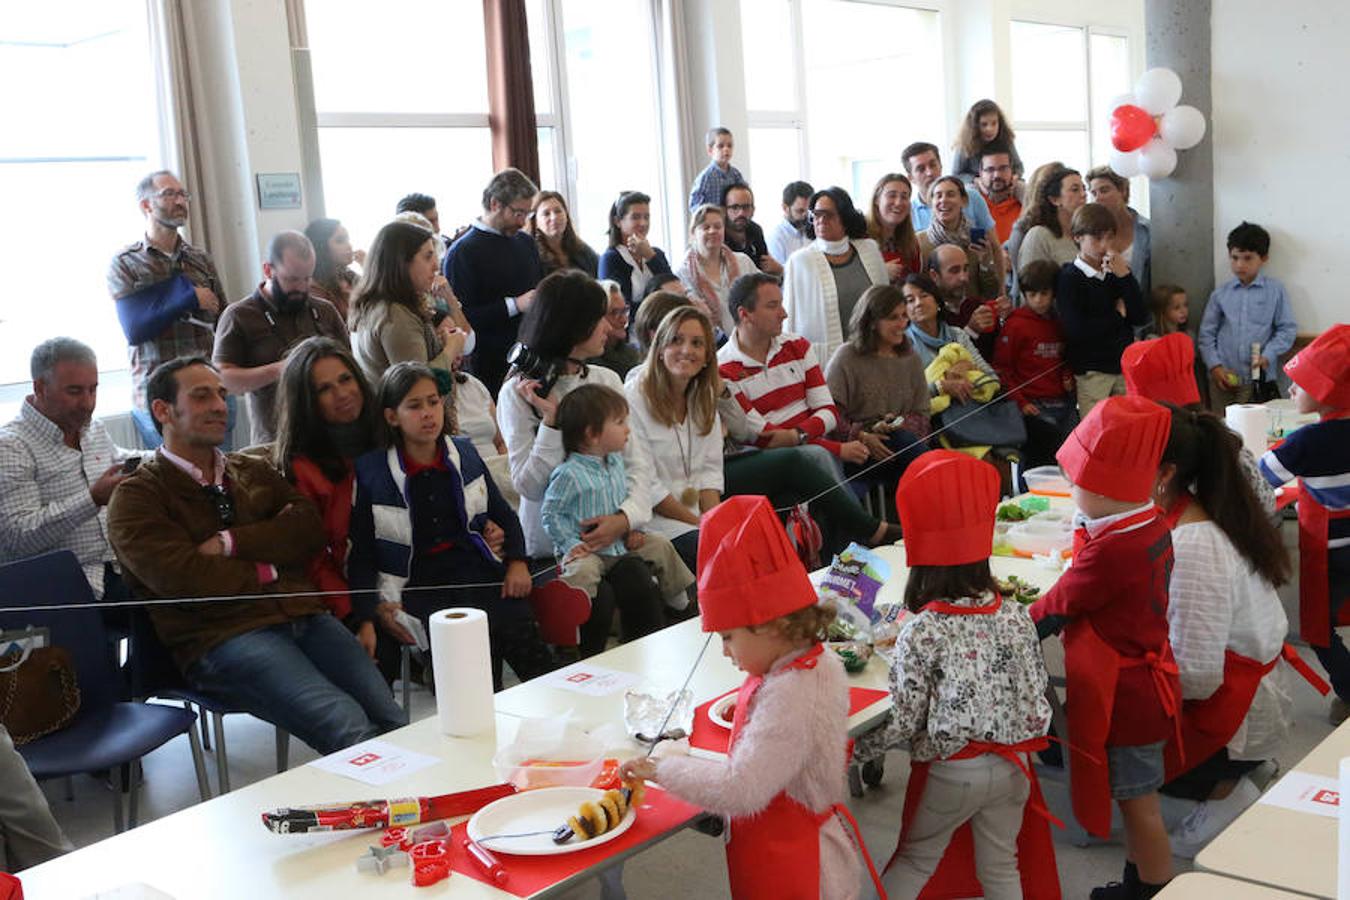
[149,663]
[55,579]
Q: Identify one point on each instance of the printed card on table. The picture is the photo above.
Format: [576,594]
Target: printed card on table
[374,762]
[593,681]
[1306,793]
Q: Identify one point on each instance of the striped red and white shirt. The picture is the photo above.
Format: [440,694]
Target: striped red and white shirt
[787,391]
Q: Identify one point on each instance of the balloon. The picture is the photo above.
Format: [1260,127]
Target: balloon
[1157,159]
[1122,100]
[1126,165]
[1182,127]
[1158,90]
[1131,128]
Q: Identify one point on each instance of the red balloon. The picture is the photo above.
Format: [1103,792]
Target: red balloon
[1131,127]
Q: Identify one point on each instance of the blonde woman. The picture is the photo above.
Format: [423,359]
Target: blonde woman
[710,267]
[673,406]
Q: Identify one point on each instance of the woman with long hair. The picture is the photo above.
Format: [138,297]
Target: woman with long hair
[890,224]
[1059,193]
[333,278]
[389,317]
[823,281]
[673,402]
[631,260]
[429,548]
[878,386]
[711,267]
[559,246]
[1226,623]
[565,325]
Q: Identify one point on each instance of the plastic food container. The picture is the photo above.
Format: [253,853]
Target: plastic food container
[572,761]
[1047,481]
[1030,539]
[1002,545]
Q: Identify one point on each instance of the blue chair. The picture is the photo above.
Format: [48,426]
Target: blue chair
[155,674]
[106,734]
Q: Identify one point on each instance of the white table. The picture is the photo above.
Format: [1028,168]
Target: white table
[1203,886]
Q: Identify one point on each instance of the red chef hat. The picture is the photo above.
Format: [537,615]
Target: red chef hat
[1323,367]
[947,502]
[748,573]
[1115,451]
[1162,369]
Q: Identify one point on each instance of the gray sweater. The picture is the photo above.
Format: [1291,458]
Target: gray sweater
[868,386]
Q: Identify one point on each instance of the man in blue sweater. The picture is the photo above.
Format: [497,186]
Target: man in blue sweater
[493,268]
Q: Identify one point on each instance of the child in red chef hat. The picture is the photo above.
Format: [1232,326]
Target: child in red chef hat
[1124,694]
[782,784]
[968,687]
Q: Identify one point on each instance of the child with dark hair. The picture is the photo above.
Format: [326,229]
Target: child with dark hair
[1099,305]
[592,481]
[1247,326]
[1029,359]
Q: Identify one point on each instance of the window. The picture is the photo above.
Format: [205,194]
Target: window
[84,133]
[1063,81]
[804,117]
[397,114]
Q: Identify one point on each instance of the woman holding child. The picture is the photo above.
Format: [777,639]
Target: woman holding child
[566,324]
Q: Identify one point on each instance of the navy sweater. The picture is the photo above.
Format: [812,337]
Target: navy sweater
[485,268]
[1095,334]
[613,266]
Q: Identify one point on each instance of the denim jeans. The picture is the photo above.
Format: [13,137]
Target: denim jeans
[1334,657]
[308,676]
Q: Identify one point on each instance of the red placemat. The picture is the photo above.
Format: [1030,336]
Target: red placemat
[708,735]
[658,813]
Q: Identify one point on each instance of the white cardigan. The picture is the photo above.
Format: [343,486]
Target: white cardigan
[1217,602]
[670,447]
[535,450]
[810,297]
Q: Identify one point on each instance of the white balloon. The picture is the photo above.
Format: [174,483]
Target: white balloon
[1182,127]
[1157,159]
[1126,165]
[1117,102]
[1158,90]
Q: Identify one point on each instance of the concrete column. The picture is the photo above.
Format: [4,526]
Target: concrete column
[1182,206]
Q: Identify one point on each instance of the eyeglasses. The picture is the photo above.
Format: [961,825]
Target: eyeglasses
[741,207]
[223,501]
[171,193]
[823,215]
[620,313]
[520,213]
[994,170]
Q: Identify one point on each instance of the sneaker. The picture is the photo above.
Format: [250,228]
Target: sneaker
[1339,711]
[1210,818]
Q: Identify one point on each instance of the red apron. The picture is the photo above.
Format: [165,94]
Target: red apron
[1208,725]
[955,875]
[1314,581]
[1091,669]
[775,854]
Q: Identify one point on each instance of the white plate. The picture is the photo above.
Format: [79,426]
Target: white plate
[539,810]
[723,711]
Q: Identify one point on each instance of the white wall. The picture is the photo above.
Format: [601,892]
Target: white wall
[1280,132]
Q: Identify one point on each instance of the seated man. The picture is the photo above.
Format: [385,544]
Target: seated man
[949,267]
[58,467]
[194,522]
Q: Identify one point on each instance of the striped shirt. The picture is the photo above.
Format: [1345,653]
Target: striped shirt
[1316,454]
[45,504]
[583,487]
[787,391]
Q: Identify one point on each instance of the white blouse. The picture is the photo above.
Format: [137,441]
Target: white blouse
[473,404]
[681,459]
[1217,602]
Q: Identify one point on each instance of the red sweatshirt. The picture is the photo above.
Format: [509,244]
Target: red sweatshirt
[1119,582]
[1028,346]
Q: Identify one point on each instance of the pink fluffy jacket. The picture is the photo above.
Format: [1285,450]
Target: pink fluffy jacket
[795,741]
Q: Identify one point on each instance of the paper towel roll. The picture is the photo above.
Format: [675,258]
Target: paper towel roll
[1343,837]
[1251,421]
[463,671]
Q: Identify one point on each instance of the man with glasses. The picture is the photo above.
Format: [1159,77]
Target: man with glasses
[167,292]
[619,356]
[195,522]
[743,234]
[996,187]
[493,268]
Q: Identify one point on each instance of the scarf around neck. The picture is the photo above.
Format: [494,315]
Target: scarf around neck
[960,235]
[831,248]
[706,291]
[933,343]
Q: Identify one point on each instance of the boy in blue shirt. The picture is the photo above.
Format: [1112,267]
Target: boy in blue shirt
[712,183]
[591,482]
[1250,312]
[1315,453]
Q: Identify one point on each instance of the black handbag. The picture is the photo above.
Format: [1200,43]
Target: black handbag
[997,423]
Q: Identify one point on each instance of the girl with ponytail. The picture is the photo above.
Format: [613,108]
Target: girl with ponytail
[1227,626]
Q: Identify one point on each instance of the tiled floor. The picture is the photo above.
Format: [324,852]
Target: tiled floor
[691,861]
